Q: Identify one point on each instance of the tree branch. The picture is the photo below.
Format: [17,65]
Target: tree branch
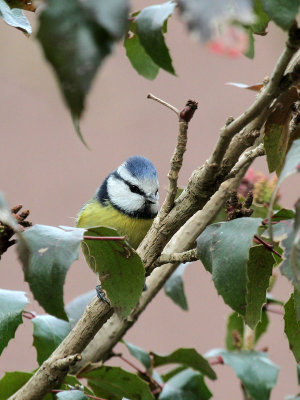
[246,158]
[187,256]
[56,367]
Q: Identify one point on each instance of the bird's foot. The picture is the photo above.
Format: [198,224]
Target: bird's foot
[101,295]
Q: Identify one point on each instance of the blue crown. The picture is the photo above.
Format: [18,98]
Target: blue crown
[141,167]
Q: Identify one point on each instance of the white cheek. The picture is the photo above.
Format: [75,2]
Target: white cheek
[121,196]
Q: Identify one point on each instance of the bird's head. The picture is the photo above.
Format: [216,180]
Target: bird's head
[132,188]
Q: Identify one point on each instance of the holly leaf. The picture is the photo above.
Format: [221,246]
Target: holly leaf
[119,267]
[281,12]
[137,55]
[139,354]
[187,357]
[53,250]
[223,249]
[115,383]
[259,269]
[12,306]
[186,385]
[48,333]
[292,327]
[174,287]
[85,38]
[257,372]
[14,17]
[150,26]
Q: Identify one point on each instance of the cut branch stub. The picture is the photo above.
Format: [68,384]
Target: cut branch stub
[187,113]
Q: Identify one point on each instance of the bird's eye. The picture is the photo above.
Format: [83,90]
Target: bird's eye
[135,189]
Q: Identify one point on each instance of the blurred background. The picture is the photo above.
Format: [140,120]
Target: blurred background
[45,167]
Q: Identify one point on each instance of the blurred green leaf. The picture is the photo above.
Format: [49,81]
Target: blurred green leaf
[257,372]
[297,303]
[259,271]
[12,305]
[234,332]
[75,308]
[261,18]
[292,327]
[137,55]
[276,138]
[172,372]
[262,326]
[187,357]
[150,24]
[53,250]
[114,383]
[120,269]
[71,395]
[48,333]
[14,17]
[77,45]
[174,287]
[139,353]
[223,249]
[186,385]
[283,214]
[13,381]
[291,166]
[281,12]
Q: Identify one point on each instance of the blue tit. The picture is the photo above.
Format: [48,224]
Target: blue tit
[127,201]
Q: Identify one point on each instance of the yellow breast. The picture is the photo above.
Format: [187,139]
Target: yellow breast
[95,214]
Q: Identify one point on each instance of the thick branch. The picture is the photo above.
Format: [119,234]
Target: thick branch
[52,371]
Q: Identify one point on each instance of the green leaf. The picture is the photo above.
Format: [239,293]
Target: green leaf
[172,372]
[186,385]
[48,333]
[53,250]
[283,214]
[85,38]
[261,18]
[277,133]
[257,372]
[281,12]
[71,395]
[120,269]
[290,266]
[259,271]
[292,327]
[262,326]
[15,18]
[223,249]
[75,308]
[291,166]
[174,287]
[115,383]
[139,354]
[298,374]
[234,332]
[297,303]
[139,59]
[12,305]
[188,358]
[75,120]
[149,26]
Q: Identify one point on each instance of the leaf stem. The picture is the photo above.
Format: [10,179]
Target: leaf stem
[267,245]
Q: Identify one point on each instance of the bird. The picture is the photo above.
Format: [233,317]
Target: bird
[127,200]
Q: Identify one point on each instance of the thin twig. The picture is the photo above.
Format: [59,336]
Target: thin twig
[247,157]
[187,256]
[267,245]
[164,103]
